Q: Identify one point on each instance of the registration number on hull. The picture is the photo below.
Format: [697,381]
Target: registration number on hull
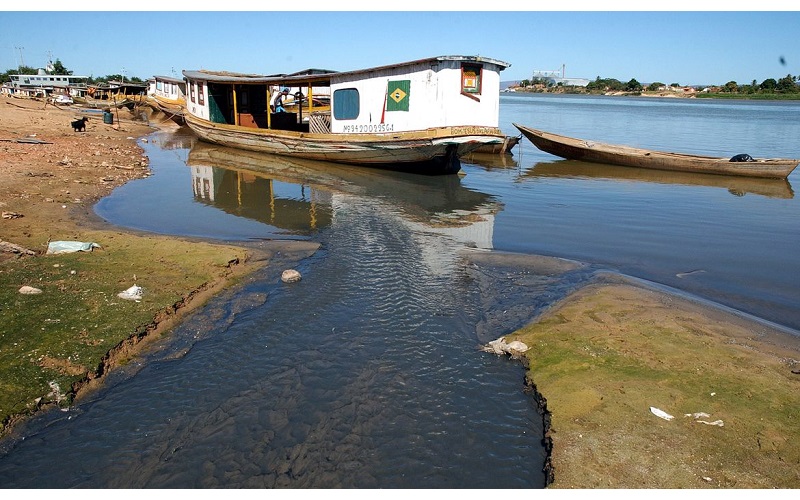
[373,128]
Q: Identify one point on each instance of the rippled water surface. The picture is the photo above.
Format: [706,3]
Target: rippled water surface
[368,372]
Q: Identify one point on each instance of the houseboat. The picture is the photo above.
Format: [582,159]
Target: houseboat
[43,85]
[168,95]
[419,116]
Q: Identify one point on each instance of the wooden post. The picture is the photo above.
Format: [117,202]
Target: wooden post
[269,108]
[235,108]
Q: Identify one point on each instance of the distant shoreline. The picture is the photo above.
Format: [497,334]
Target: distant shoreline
[666,94]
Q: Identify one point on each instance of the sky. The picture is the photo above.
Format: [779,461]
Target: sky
[684,47]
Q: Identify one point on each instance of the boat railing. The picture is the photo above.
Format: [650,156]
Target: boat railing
[320,122]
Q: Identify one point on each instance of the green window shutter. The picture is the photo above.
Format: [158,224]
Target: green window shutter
[215,113]
[398,95]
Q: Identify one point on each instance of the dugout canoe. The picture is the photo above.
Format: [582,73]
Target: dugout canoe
[597,152]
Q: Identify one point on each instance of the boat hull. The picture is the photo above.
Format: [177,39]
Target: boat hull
[502,148]
[173,108]
[434,151]
[578,149]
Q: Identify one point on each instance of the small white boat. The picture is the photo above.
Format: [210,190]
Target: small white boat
[168,95]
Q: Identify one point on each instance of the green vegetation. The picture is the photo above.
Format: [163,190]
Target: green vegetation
[785,88]
[52,341]
[608,354]
[767,96]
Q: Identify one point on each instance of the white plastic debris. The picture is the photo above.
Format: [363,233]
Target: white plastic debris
[718,423]
[132,293]
[500,346]
[56,247]
[701,414]
[660,413]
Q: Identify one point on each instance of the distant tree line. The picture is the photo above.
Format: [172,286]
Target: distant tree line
[787,85]
[59,69]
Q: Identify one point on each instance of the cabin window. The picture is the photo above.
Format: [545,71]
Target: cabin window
[200,99]
[471,79]
[346,104]
[192,88]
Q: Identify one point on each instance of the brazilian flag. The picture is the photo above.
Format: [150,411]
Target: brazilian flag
[397,95]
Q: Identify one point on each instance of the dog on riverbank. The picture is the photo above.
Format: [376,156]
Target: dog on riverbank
[79,125]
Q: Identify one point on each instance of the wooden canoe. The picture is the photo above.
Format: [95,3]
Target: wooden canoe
[596,152]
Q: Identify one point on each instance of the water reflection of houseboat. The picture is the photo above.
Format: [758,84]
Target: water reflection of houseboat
[292,206]
[261,186]
[490,160]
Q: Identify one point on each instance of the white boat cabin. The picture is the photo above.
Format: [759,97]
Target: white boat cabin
[166,87]
[44,84]
[446,91]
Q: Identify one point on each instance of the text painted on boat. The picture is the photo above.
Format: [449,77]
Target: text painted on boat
[473,131]
[372,128]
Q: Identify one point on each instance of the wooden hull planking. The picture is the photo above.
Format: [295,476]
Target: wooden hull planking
[440,147]
[174,108]
[502,148]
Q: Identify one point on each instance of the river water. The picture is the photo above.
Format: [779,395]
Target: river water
[368,372]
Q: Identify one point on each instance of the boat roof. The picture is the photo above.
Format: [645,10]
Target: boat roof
[321,76]
[170,79]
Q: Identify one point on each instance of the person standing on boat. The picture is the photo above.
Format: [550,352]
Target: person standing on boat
[277,103]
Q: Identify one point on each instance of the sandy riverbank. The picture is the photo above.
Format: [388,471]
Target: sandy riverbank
[56,344]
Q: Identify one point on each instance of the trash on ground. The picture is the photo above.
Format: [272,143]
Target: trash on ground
[133,293]
[56,247]
[660,413]
[14,248]
[29,290]
[499,346]
[697,416]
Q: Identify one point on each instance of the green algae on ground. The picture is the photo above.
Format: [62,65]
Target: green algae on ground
[608,354]
[50,342]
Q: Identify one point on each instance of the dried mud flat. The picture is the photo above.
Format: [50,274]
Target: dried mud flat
[48,170]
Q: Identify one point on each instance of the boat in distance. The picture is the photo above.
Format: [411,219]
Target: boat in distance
[419,116]
[596,152]
[168,95]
